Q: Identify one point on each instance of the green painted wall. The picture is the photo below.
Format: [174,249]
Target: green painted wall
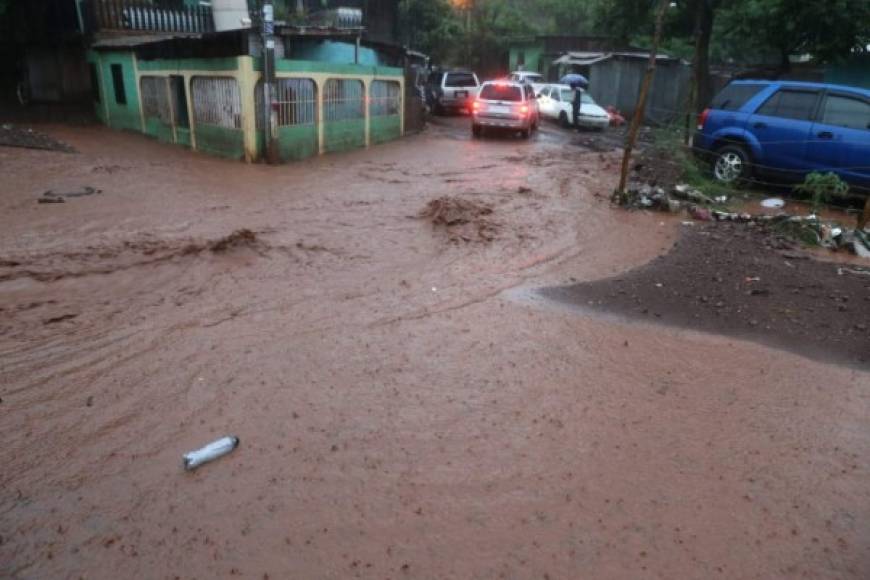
[94,59]
[187,64]
[303,66]
[385,128]
[532,54]
[121,116]
[332,51]
[158,129]
[344,135]
[182,136]
[295,142]
[220,141]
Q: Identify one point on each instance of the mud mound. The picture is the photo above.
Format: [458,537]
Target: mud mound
[744,281]
[464,220]
[243,238]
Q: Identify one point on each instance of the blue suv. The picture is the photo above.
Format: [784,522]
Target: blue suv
[785,130]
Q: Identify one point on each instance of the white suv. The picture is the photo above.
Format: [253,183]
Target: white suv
[451,90]
[505,105]
[528,77]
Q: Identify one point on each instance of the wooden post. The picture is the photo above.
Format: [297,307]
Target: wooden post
[637,118]
[864,219]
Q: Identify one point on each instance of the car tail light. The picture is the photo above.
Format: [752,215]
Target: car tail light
[702,119]
[524,110]
[475,106]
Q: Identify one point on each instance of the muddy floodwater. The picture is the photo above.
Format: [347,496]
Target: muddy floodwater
[405,409]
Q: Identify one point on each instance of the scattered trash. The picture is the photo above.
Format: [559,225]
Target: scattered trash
[700,213]
[841,271]
[210,452]
[773,203]
[52,197]
[616,118]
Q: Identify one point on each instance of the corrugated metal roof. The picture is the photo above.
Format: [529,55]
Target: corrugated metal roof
[589,58]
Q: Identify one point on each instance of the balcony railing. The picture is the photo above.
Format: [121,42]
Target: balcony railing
[140,16]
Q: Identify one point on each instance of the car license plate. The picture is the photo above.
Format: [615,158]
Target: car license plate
[499,109]
[461,94]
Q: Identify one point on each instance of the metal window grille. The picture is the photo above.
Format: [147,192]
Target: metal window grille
[295,100]
[343,100]
[155,98]
[217,101]
[386,98]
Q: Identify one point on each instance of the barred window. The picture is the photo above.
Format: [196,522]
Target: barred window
[385,98]
[155,98]
[295,100]
[217,101]
[343,100]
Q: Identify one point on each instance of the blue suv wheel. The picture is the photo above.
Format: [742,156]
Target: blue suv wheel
[731,164]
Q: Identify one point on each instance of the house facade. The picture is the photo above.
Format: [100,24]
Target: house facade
[169,74]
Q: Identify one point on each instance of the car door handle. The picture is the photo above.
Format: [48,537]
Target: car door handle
[759,125]
[825,135]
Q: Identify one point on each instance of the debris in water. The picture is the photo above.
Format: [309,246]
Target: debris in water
[464,219]
[773,203]
[52,197]
[210,452]
[238,238]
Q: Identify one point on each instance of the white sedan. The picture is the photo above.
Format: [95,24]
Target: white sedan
[555,102]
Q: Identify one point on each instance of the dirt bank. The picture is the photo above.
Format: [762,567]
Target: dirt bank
[746,282]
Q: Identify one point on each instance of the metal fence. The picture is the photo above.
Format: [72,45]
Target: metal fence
[385,98]
[155,98]
[217,101]
[143,15]
[343,100]
[295,102]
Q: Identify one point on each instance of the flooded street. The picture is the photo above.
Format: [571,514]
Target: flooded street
[408,407]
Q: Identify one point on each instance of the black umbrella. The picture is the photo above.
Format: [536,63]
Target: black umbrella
[574,81]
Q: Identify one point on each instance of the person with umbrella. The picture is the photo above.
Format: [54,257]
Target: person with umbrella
[578,83]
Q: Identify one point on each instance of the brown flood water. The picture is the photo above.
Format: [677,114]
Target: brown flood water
[402,413]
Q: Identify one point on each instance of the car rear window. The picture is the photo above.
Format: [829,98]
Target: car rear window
[534,78]
[460,80]
[733,97]
[501,93]
[789,104]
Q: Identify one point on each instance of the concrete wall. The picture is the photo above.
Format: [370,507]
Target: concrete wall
[242,140]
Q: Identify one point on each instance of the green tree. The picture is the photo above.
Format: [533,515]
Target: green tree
[825,30]
[430,26]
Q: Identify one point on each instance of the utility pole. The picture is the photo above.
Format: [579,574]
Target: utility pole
[640,107]
[269,118]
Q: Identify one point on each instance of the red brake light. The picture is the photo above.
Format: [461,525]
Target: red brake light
[475,105]
[702,119]
[524,110]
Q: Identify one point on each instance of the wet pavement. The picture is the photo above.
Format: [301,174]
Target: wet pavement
[408,406]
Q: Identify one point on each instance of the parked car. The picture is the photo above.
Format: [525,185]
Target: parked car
[786,130]
[451,90]
[557,103]
[528,77]
[505,105]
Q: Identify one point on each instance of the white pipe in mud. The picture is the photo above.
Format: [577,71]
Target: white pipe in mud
[210,452]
